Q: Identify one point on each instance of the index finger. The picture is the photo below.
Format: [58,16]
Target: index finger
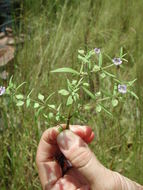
[48,168]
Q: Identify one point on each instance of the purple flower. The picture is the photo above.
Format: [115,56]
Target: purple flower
[97,50]
[2,90]
[122,88]
[117,61]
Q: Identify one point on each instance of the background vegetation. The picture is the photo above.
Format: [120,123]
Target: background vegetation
[54,31]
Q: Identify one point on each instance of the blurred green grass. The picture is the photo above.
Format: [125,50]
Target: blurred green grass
[55,30]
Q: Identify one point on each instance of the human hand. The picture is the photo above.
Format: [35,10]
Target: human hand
[86,172]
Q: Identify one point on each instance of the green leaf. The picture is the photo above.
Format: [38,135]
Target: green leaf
[69,100]
[108,112]
[98,108]
[45,115]
[70,87]
[36,105]
[75,97]
[83,59]
[96,68]
[105,92]
[130,83]
[20,85]
[39,110]
[117,80]
[125,60]
[40,97]
[108,57]
[74,82]
[57,117]
[88,92]
[115,89]
[52,106]
[19,96]
[51,115]
[90,53]
[10,80]
[29,93]
[8,90]
[79,82]
[63,92]
[102,75]
[89,65]
[65,70]
[109,74]
[19,103]
[114,102]
[81,51]
[87,107]
[85,84]
[121,52]
[59,107]
[49,96]
[76,90]
[60,128]
[28,102]
[100,59]
[133,94]
[98,93]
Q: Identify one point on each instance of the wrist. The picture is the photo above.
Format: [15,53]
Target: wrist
[123,183]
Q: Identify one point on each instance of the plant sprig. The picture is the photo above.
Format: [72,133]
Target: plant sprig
[92,64]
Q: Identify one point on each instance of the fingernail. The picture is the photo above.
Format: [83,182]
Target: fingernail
[66,139]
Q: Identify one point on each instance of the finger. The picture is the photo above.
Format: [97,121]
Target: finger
[75,173]
[80,156]
[48,168]
[66,183]
[85,187]
[47,147]
[85,132]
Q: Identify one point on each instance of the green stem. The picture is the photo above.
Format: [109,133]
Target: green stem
[104,99]
[69,117]
[108,66]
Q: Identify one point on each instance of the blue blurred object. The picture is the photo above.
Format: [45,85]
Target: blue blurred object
[5,14]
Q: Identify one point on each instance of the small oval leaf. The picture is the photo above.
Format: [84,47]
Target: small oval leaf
[28,102]
[63,92]
[81,51]
[69,100]
[40,97]
[88,92]
[19,96]
[36,105]
[52,106]
[100,60]
[114,102]
[19,103]
[98,108]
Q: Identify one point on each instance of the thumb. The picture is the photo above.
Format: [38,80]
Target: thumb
[80,156]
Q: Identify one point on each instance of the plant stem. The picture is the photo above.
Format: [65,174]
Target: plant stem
[69,117]
[106,67]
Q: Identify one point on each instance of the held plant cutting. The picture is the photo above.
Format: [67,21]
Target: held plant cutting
[111,89]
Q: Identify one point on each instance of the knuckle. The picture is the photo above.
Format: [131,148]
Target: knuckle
[81,157]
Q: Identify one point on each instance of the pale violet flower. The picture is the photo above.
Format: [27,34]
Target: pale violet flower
[97,50]
[122,88]
[117,61]
[2,90]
